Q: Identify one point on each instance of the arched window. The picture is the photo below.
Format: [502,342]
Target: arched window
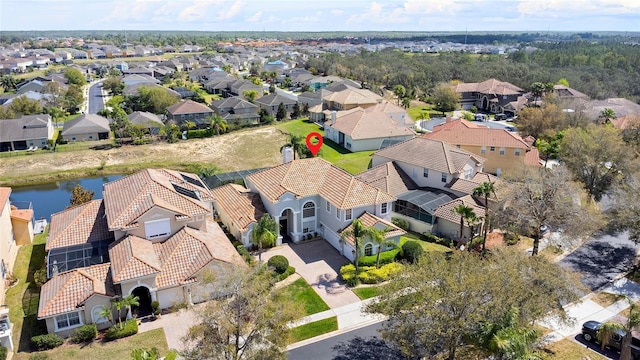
[368,250]
[309,210]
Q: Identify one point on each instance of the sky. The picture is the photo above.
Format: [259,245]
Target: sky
[322,15]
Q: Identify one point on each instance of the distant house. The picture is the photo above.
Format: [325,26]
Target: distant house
[238,88]
[86,127]
[236,110]
[149,121]
[133,89]
[620,106]
[271,102]
[361,129]
[25,132]
[502,149]
[492,95]
[278,66]
[136,78]
[189,110]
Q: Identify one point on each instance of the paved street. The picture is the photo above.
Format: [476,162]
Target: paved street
[429,124]
[601,258]
[96,101]
[322,350]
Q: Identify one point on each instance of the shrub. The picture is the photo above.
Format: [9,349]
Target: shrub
[279,263]
[348,275]
[46,342]
[411,251]
[129,327]
[39,356]
[373,275]
[401,223]
[438,240]
[155,307]
[511,238]
[386,257]
[40,277]
[3,353]
[172,355]
[286,274]
[85,333]
[244,252]
[199,134]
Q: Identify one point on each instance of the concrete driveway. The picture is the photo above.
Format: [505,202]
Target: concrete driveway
[319,264]
[602,258]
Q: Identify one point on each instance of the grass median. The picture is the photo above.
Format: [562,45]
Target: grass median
[313,329]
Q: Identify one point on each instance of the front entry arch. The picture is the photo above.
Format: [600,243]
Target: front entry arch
[144,298]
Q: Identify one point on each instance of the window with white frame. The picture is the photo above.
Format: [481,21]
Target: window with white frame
[328,206]
[443,178]
[69,320]
[483,150]
[517,152]
[338,214]
[309,210]
[348,214]
[157,228]
[425,173]
[383,208]
[501,151]
[368,250]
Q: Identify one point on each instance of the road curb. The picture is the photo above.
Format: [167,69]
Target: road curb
[333,333]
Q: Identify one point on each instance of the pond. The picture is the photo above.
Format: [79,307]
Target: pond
[47,199]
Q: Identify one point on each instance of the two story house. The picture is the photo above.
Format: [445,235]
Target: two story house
[152,236]
[236,110]
[189,110]
[492,95]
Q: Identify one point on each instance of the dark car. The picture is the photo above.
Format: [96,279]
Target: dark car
[500,117]
[590,333]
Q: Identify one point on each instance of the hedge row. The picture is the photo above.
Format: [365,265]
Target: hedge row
[46,342]
[369,274]
[85,333]
[129,327]
[290,271]
[386,257]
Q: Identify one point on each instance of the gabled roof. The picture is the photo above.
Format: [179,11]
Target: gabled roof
[126,199]
[188,107]
[274,100]
[388,177]
[25,128]
[361,124]
[78,225]
[316,176]
[370,220]
[430,154]
[447,212]
[85,124]
[463,132]
[491,86]
[562,91]
[145,118]
[133,257]
[67,291]
[353,96]
[242,206]
[234,102]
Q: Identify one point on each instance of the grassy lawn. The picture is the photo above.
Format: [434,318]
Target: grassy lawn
[568,350]
[367,292]
[119,349]
[426,246]
[302,293]
[605,299]
[353,163]
[23,298]
[415,111]
[313,329]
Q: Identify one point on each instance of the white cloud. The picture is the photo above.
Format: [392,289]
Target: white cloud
[195,11]
[232,11]
[379,14]
[433,6]
[336,12]
[576,8]
[255,17]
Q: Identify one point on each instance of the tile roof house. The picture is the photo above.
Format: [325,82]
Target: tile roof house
[502,149]
[307,197]
[86,127]
[189,110]
[369,247]
[25,132]
[152,236]
[361,129]
[491,95]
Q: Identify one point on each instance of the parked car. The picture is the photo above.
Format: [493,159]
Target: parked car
[500,117]
[480,117]
[590,331]
[510,128]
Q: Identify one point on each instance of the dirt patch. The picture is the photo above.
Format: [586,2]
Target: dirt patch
[239,150]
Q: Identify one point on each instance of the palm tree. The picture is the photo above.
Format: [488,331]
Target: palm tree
[466,214]
[107,313]
[609,328]
[379,237]
[297,143]
[485,190]
[218,123]
[264,232]
[400,91]
[130,300]
[125,303]
[507,339]
[358,232]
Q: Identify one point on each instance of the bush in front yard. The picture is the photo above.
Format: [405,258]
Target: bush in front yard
[40,277]
[401,223]
[279,263]
[373,275]
[39,356]
[386,257]
[412,251]
[438,240]
[348,275]
[46,342]
[3,353]
[85,333]
[290,271]
[129,327]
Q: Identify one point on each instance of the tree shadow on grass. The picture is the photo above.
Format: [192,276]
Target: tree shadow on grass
[31,326]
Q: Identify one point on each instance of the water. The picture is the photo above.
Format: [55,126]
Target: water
[47,199]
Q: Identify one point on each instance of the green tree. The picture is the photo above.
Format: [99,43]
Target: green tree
[124,304]
[218,124]
[250,322]
[632,324]
[540,121]
[113,85]
[295,112]
[400,92]
[250,95]
[55,94]
[121,125]
[25,106]
[152,99]
[144,354]
[297,143]
[483,191]
[75,77]
[8,82]
[508,339]
[445,98]
[6,113]
[537,90]
[264,233]
[563,81]
[80,195]
[597,156]
[466,213]
[358,232]
[607,113]
[379,238]
[107,313]
[73,98]
[281,114]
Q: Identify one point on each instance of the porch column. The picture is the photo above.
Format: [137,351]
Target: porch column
[295,232]
[153,293]
[279,236]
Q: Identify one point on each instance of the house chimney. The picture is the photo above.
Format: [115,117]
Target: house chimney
[448,119]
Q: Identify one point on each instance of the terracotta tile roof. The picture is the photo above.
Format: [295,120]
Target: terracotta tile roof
[69,290]
[80,224]
[316,176]
[446,211]
[430,154]
[361,124]
[532,157]
[128,198]
[458,132]
[491,86]
[188,107]
[241,205]
[133,257]
[388,177]
[24,215]
[5,192]
[370,220]
[467,186]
